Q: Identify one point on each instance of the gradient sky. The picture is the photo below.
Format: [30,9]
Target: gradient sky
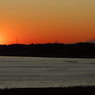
[44,21]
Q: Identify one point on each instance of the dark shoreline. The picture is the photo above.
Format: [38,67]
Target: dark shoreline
[77,90]
[55,50]
[48,56]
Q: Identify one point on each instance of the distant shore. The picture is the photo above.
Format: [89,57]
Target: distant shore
[55,50]
[55,56]
[78,90]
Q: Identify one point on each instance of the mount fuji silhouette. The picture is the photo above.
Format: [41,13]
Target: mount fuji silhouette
[91,41]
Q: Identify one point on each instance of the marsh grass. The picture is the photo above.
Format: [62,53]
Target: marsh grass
[77,90]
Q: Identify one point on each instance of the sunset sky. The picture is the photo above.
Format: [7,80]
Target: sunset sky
[44,21]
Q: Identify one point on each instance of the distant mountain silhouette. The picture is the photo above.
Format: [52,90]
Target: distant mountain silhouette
[91,41]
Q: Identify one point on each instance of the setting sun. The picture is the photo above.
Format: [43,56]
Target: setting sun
[1,41]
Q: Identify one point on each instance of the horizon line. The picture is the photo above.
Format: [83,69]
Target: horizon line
[48,43]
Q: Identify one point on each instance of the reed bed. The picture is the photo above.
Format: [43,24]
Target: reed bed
[77,90]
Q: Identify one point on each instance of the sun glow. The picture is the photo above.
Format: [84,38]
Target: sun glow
[1,41]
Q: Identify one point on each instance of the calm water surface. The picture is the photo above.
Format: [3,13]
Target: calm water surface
[46,72]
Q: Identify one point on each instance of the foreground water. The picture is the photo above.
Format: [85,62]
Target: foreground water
[46,72]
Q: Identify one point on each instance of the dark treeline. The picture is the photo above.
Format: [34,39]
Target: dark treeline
[83,50]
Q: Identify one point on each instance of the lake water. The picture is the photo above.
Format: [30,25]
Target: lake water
[46,72]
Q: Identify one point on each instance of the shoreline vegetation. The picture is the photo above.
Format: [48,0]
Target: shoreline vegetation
[77,90]
[59,50]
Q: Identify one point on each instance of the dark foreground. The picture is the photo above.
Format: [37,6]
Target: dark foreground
[79,90]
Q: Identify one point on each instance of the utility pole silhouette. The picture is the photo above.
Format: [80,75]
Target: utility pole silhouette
[17,40]
[56,41]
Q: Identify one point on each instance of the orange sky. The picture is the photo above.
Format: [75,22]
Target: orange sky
[44,21]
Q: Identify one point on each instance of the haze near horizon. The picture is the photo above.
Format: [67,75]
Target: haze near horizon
[44,21]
